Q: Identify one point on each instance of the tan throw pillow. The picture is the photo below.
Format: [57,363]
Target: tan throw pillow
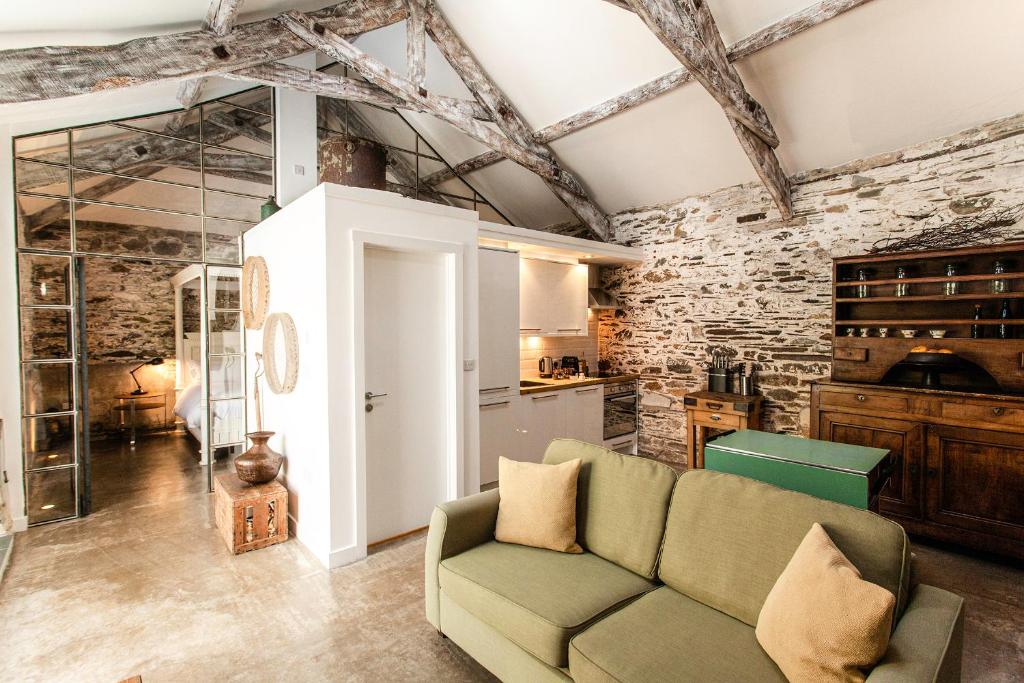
[538,504]
[821,620]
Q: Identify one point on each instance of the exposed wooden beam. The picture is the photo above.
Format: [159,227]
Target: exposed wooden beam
[461,169]
[221,15]
[220,18]
[340,87]
[791,25]
[688,29]
[334,45]
[43,73]
[416,42]
[508,119]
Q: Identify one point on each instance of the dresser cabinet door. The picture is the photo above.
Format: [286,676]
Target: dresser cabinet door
[976,480]
[904,440]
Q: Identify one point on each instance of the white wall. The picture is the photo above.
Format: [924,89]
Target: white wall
[295,146]
[315,282]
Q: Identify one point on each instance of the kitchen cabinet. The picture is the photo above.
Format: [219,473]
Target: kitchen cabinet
[499,322]
[584,413]
[543,420]
[552,298]
[959,457]
[499,434]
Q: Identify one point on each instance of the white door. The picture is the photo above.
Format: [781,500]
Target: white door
[408,326]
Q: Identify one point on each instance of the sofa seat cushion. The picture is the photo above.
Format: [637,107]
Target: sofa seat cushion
[538,599]
[666,636]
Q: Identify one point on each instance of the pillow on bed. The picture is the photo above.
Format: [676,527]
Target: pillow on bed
[188,399]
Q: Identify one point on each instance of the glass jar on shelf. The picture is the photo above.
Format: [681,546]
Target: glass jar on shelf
[863,291]
[902,288]
[999,285]
[951,287]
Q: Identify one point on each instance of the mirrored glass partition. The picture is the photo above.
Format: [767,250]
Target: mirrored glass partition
[179,187]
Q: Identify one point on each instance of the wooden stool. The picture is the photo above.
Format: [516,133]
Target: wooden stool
[713,410]
[250,517]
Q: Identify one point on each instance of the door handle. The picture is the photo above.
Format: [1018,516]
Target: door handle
[368,396]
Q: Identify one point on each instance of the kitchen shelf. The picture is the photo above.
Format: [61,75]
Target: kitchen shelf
[917,323]
[981,277]
[929,297]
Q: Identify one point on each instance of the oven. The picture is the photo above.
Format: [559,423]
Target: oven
[620,408]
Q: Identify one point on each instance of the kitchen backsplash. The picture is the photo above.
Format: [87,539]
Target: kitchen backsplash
[531,349]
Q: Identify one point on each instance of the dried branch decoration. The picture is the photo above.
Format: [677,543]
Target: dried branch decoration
[987,227]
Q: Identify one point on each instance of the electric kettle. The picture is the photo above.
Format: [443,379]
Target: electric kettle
[546,365]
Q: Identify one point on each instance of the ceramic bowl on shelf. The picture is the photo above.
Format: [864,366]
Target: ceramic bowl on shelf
[850,331]
[908,333]
[864,331]
[883,332]
[936,334]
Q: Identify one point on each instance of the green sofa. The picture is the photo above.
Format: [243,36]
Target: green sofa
[674,575]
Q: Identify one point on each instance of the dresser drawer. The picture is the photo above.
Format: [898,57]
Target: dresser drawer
[717,419]
[865,401]
[983,412]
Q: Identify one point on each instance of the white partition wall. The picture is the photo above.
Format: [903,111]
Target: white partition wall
[316,251]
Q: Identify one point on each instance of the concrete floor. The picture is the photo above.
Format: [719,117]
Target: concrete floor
[145,586]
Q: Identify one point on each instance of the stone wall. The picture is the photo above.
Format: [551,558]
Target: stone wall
[722,271]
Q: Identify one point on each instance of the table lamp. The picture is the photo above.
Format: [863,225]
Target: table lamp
[138,387]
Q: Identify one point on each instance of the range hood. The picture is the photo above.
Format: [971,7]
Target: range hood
[599,299]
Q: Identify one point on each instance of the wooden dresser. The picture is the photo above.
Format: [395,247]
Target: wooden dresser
[957,436]
[958,474]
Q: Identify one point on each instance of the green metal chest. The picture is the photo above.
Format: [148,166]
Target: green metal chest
[834,471]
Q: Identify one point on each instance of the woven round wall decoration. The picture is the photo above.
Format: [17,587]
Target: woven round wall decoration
[255,292]
[280,330]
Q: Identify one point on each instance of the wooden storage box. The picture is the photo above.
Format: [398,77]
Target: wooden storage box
[250,517]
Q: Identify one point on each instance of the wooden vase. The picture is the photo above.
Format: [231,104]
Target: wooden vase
[260,463]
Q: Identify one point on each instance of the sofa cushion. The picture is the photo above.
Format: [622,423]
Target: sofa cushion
[666,636]
[536,598]
[538,504]
[621,503]
[729,538]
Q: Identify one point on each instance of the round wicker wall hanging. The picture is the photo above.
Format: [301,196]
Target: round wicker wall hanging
[281,325]
[255,292]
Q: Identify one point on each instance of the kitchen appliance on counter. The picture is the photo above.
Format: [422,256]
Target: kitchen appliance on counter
[546,366]
[571,363]
[621,403]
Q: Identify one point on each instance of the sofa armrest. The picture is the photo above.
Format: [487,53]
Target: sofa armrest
[455,527]
[928,642]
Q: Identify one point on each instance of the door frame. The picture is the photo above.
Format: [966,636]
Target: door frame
[454,328]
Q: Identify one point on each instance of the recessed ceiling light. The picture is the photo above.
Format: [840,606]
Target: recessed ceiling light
[48,506]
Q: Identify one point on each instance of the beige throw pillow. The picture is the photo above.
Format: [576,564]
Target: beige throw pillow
[538,504]
[821,620]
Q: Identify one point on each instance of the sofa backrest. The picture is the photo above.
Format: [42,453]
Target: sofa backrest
[621,503]
[728,539]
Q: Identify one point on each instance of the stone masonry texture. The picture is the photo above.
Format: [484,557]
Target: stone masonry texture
[722,272]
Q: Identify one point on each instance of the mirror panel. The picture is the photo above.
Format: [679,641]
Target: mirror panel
[238,172]
[30,176]
[232,206]
[115,230]
[228,421]
[259,100]
[48,441]
[225,332]
[235,128]
[47,388]
[224,240]
[51,495]
[132,191]
[46,334]
[224,289]
[117,149]
[52,147]
[180,124]
[43,223]
[226,379]
[44,280]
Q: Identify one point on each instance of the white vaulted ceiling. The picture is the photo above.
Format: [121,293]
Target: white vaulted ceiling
[886,75]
